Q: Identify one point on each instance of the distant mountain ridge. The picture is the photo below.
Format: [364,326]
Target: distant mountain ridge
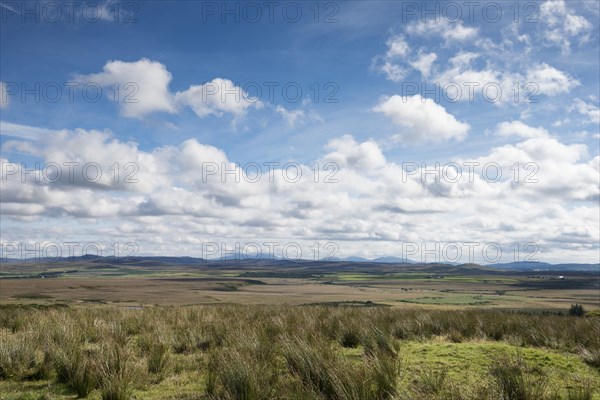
[186,260]
[542,266]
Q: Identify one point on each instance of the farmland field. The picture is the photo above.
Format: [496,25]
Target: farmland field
[98,281]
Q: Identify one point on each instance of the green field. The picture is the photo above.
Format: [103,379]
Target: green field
[143,282]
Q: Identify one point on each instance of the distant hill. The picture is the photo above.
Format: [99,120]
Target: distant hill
[264,261]
[90,258]
[392,259]
[387,260]
[542,266]
[354,259]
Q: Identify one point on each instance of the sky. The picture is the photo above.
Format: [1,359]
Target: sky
[431,131]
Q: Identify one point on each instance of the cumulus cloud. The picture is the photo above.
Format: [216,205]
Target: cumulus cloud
[217,97]
[372,205]
[144,89]
[498,86]
[143,86]
[347,152]
[549,169]
[423,118]
[520,129]
[397,50]
[550,80]
[461,71]
[479,72]
[89,159]
[561,24]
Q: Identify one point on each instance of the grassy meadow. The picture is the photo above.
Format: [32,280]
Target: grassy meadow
[352,351]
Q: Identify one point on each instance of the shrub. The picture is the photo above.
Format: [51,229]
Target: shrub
[576,310]
[350,338]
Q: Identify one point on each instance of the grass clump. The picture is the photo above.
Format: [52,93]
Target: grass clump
[322,371]
[76,368]
[17,356]
[118,373]
[233,375]
[515,381]
[431,381]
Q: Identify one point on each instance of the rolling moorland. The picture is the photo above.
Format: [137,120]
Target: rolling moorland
[184,328]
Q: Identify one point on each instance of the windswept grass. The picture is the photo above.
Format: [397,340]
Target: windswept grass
[308,352]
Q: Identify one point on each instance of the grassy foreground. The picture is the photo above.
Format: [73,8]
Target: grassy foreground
[302,352]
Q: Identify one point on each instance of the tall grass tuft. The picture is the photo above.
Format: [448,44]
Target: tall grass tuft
[17,356]
[76,367]
[432,381]
[515,382]
[233,375]
[583,392]
[118,373]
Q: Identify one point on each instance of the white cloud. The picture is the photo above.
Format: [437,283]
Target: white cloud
[23,131]
[346,152]
[589,110]
[291,117]
[450,31]
[397,50]
[396,62]
[144,89]
[371,209]
[550,80]
[556,171]
[423,63]
[425,120]
[397,47]
[393,72]
[90,153]
[560,24]
[217,97]
[520,129]
[470,79]
[540,79]
[143,86]
[107,10]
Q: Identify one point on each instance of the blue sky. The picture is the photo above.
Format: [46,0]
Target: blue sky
[365,57]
